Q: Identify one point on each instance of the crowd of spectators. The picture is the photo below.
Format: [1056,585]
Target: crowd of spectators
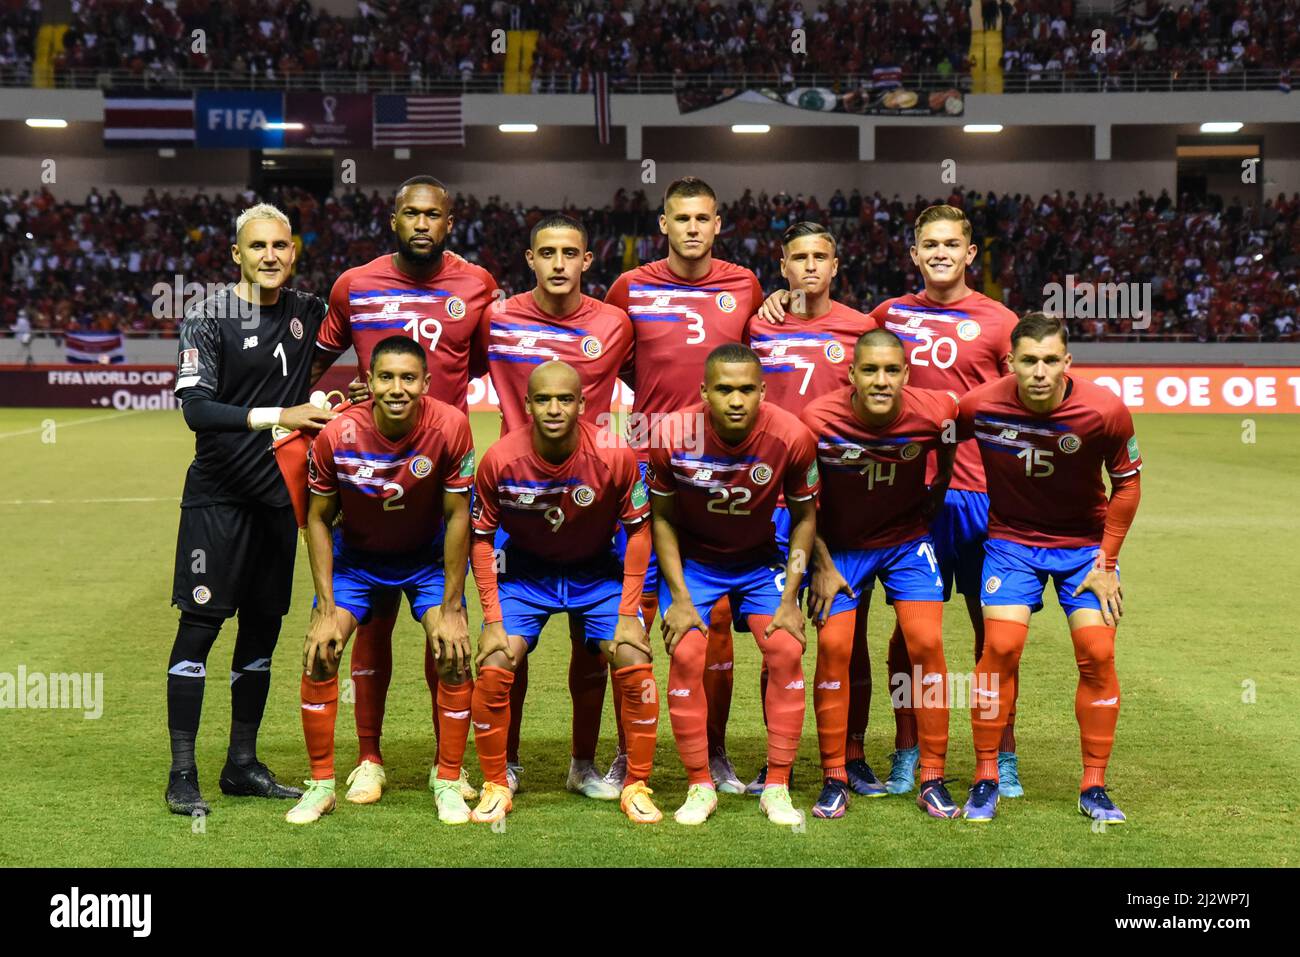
[1215,270]
[1045,42]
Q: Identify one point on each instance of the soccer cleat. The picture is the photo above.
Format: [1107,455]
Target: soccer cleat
[935,800]
[467,791]
[315,804]
[512,777]
[254,780]
[183,795]
[755,787]
[1096,804]
[366,783]
[863,780]
[494,805]
[834,799]
[638,807]
[724,774]
[617,772]
[982,804]
[452,808]
[778,807]
[701,801]
[902,770]
[1009,775]
[584,779]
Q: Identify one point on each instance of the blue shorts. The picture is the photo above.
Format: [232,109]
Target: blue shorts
[359,575]
[1016,574]
[620,547]
[781,524]
[959,532]
[909,572]
[752,589]
[531,591]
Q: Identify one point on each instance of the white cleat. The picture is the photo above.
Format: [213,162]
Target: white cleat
[701,802]
[512,777]
[778,807]
[366,783]
[617,772]
[724,775]
[584,779]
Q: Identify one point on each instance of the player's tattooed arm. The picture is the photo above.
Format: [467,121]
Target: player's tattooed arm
[681,615]
[827,582]
[803,537]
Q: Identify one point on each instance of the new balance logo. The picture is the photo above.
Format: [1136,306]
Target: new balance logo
[482,727]
[188,669]
[828,685]
[258,664]
[796,685]
[721,666]
[312,707]
[645,721]
[933,678]
[1008,433]
[250,342]
[363,672]
[456,715]
[680,692]
[983,693]
[365,471]
[1107,701]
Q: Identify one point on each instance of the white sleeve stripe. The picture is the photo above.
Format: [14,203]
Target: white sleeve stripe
[458,491]
[635,521]
[1125,474]
[655,491]
[337,352]
[186,381]
[323,494]
[800,498]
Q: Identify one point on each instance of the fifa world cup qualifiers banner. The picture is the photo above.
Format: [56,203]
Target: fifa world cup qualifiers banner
[899,101]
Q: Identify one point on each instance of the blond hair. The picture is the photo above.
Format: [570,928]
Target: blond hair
[261,211]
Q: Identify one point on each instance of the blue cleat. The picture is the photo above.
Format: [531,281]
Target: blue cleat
[935,800]
[834,799]
[902,770]
[1009,775]
[982,805]
[1096,804]
[863,780]
[755,787]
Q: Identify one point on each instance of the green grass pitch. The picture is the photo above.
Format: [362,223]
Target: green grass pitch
[1205,761]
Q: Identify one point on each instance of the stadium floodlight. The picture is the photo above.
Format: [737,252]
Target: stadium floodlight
[46,124]
[982,128]
[1229,127]
[751,128]
[284,126]
[518,127]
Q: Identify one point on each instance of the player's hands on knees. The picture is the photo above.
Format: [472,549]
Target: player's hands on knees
[449,639]
[324,646]
[790,618]
[826,584]
[679,618]
[358,390]
[305,416]
[1110,594]
[774,306]
[493,639]
[630,632]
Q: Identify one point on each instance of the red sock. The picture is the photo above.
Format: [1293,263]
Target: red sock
[649,608]
[1008,742]
[490,709]
[831,690]
[859,683]
[922,626]
[618,715]
[635,685]
[588,674]
[687,709]
[995,681]
[372,671]
[785,697]
[719,676]
[320,708]
[455,703]
[762,690]
[518,691]
[900,668]
[1096,700]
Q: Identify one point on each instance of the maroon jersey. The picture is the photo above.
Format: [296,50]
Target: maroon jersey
[676,323]
[954,346]
[804,359]
[873,477]
[391,492]
[447,314]
[596,339]
[567,513]
[1044,470]
[726,493]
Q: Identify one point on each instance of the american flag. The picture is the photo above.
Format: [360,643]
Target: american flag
[418,120]
[154,118]
[601,92]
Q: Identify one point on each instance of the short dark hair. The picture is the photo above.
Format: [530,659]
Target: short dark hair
[878,337]
[557,221]
[421,180]
[799,230]
[732,352]
[1038,326]
[942,212]
[401,346]
[687,187]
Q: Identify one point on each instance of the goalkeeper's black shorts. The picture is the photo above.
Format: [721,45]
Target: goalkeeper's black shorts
[233,557]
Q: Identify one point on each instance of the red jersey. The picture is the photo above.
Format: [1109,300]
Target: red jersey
[596,339]
[873,477]
[391,492]
[726,493]
[1045,487]
[566,513]
[676,323]
[804,359]
[954,346]
[447,314]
